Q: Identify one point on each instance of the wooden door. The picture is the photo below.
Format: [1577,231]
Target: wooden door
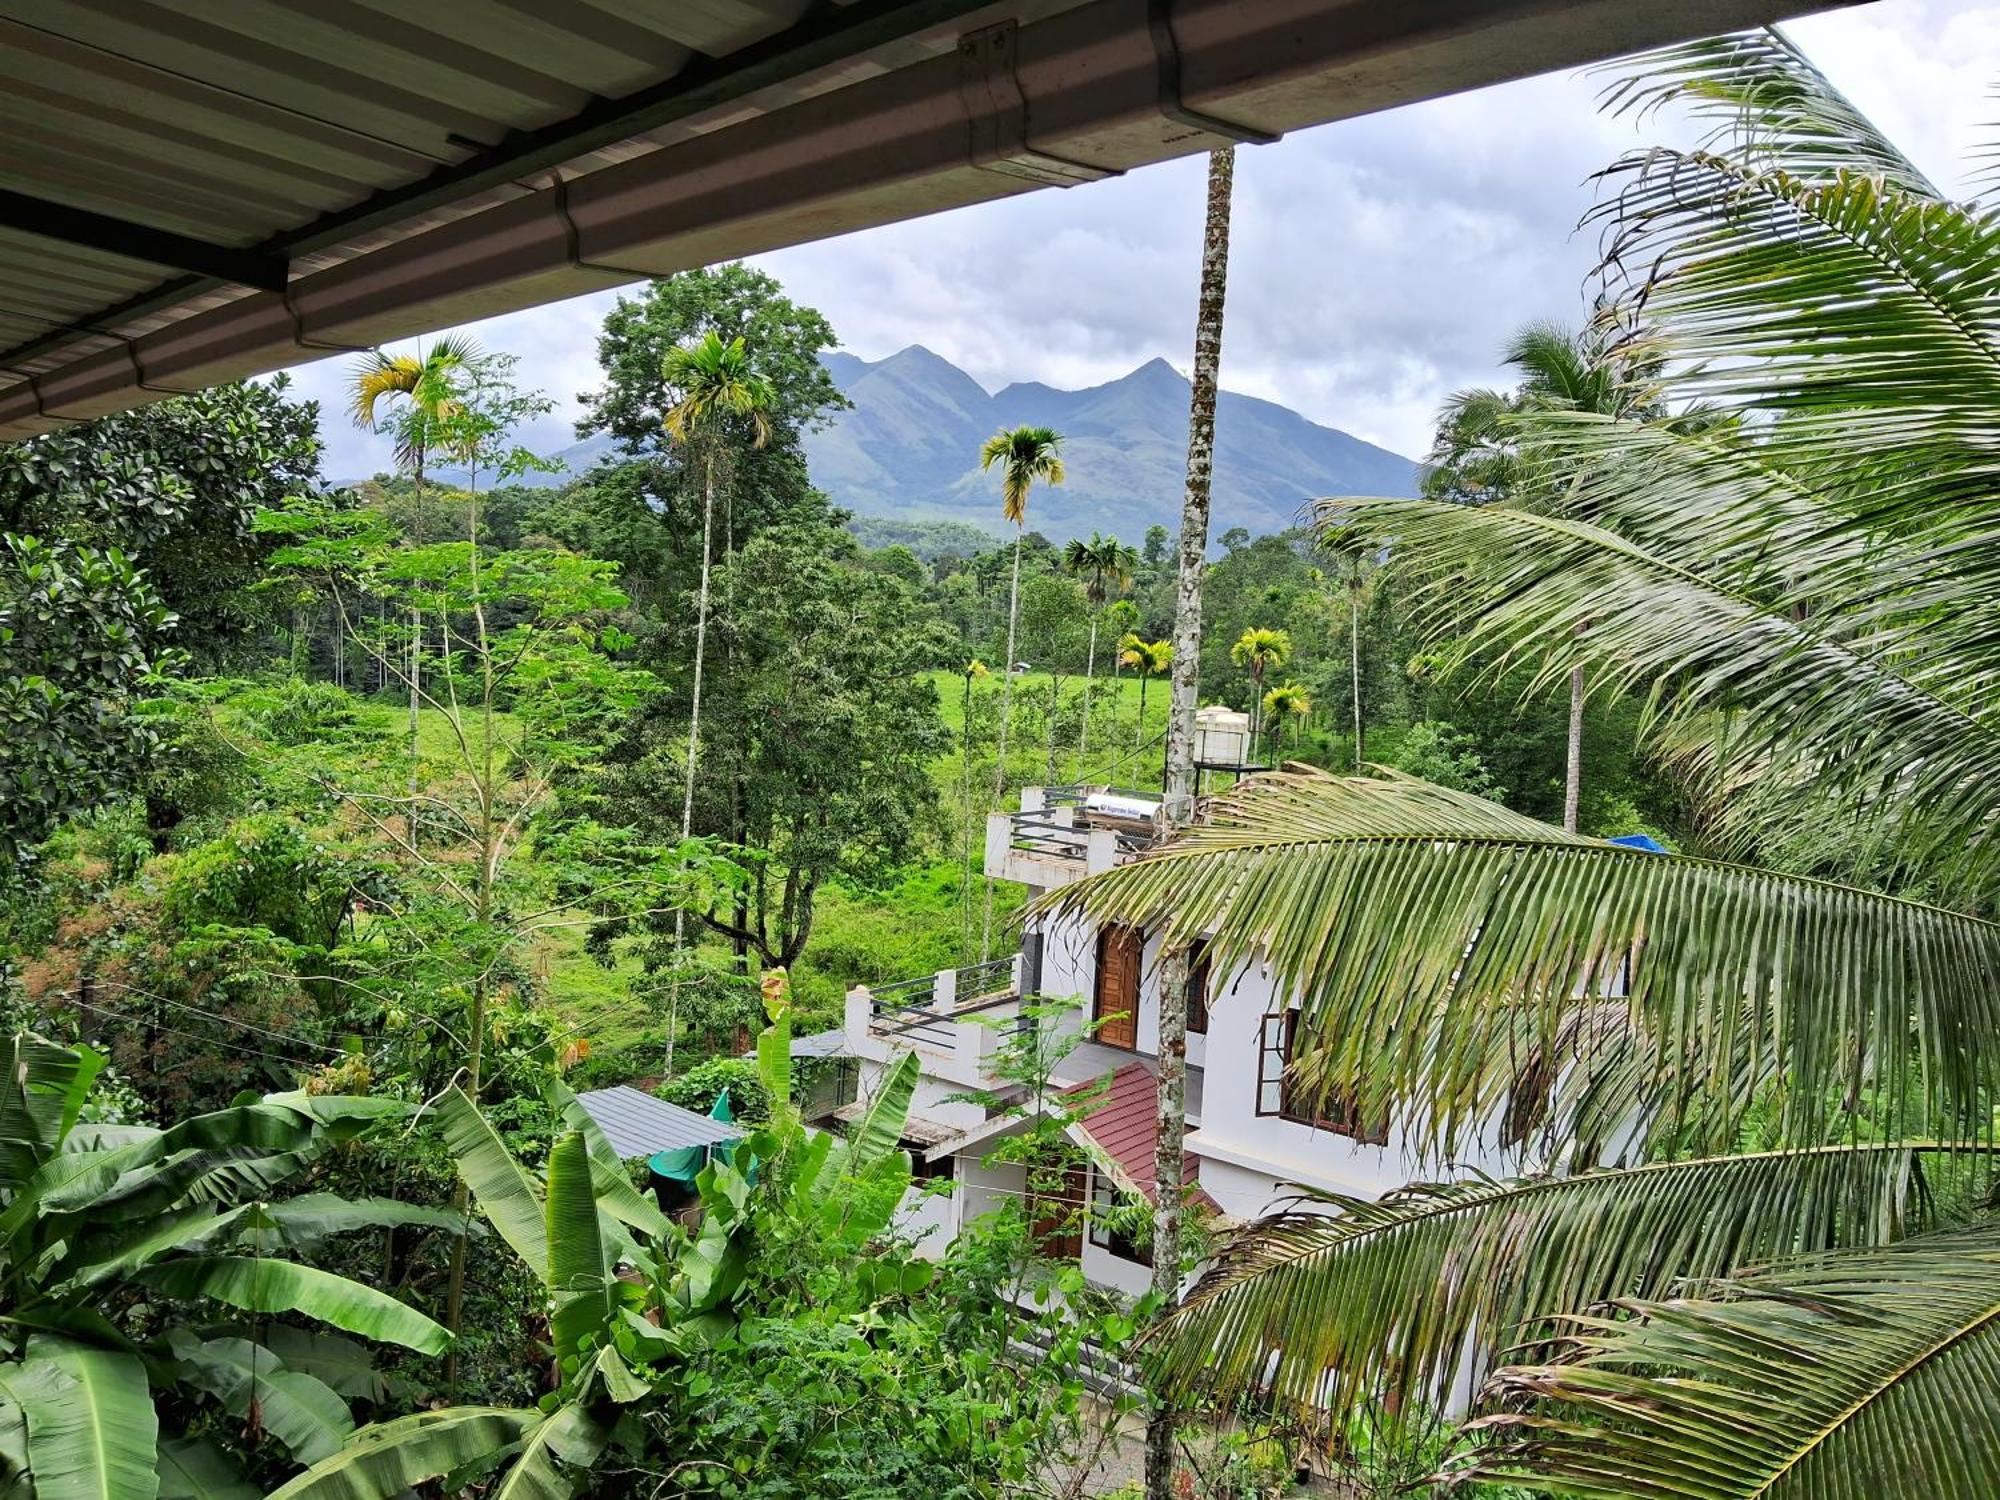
[1055,1224]
[1116,1001]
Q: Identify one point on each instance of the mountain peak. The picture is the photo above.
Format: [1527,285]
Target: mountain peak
[909,449]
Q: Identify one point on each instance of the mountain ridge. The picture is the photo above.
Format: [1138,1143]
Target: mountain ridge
[908,449]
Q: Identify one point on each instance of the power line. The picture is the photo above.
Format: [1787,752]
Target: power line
[207,1041]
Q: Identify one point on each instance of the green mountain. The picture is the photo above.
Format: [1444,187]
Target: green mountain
[909,448]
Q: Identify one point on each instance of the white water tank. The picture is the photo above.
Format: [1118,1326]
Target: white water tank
[1221,736]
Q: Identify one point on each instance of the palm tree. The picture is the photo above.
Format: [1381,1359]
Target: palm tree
[1478,458]
[1288,700]
[422,389]
[720,397]
[1801,583]
[972,672]
[1104,566]
[1025,456]
[1149,659]
[1169,1157]
[1260,650]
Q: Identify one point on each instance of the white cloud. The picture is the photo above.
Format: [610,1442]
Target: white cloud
[1377,264]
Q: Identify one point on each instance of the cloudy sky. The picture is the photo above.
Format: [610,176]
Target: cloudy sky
[1377,264]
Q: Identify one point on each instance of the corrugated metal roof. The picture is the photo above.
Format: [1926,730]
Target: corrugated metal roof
[1125,1127]
[819,1044]
[637,1124]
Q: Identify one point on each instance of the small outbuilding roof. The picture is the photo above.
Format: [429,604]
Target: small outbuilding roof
[1124,1129]
[637,1124]
[819,1044]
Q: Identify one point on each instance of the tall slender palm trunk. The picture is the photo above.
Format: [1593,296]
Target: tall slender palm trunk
[1006,713]
[1089,676]
[1169,1159]
[1573,768]
[1354,656]
[694,737]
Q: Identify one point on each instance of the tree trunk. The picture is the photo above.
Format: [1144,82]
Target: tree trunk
[1006,712]
[1169,1160]
[965,824]
[694,738]
[416,673]
[1354,657]
[1573,770]
[1089,673]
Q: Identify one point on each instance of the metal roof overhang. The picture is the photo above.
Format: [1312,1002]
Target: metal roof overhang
[195,193]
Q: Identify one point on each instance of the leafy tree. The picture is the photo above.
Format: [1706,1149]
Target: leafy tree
[1104,566]
[825,730]
[120,539]
[732,302]
[1025,456]
[1795,1055]
[108,1231]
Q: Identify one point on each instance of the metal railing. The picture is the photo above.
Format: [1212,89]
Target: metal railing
[1061,827]
[912,1008]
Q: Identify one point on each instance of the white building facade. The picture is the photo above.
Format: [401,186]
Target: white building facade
[1252,1142]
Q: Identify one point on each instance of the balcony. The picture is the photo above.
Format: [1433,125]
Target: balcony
[1063,833]
[955,1019]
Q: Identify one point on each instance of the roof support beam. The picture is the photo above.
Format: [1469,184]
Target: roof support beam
[159,247]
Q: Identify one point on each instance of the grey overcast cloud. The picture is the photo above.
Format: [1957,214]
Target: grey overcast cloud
[1377,264]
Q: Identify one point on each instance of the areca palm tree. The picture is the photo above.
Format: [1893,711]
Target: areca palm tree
[720,398]
[1104,566]
[413,397]
[1260,649]
[1287,700]
[1025,457]
[1149,659]
[1478,456]
[1801,583]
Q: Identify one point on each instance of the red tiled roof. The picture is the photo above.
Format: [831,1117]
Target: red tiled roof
[1125,1126]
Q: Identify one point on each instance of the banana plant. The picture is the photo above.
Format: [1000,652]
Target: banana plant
[631,1296]
[90,1214]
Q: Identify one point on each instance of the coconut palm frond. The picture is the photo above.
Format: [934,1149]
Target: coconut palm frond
[1346,1300]
[1884,705]
[1771,108]
[1434,940]
[1865,311]
[1862,1373]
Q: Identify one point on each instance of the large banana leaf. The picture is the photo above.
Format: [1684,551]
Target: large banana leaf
[42,1087]
[301,1223]
[1865,1375]
[384,1460]
[579,1279]
[113,1254]
[880,1130]
[507,1194]
[281,1286]
[92,1433]
[1441,946]
[554,1457]
[1345,1300]
[302,1412]
[195,1469]
[339,1362]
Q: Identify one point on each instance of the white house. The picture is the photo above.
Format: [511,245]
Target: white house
[1251,1141]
